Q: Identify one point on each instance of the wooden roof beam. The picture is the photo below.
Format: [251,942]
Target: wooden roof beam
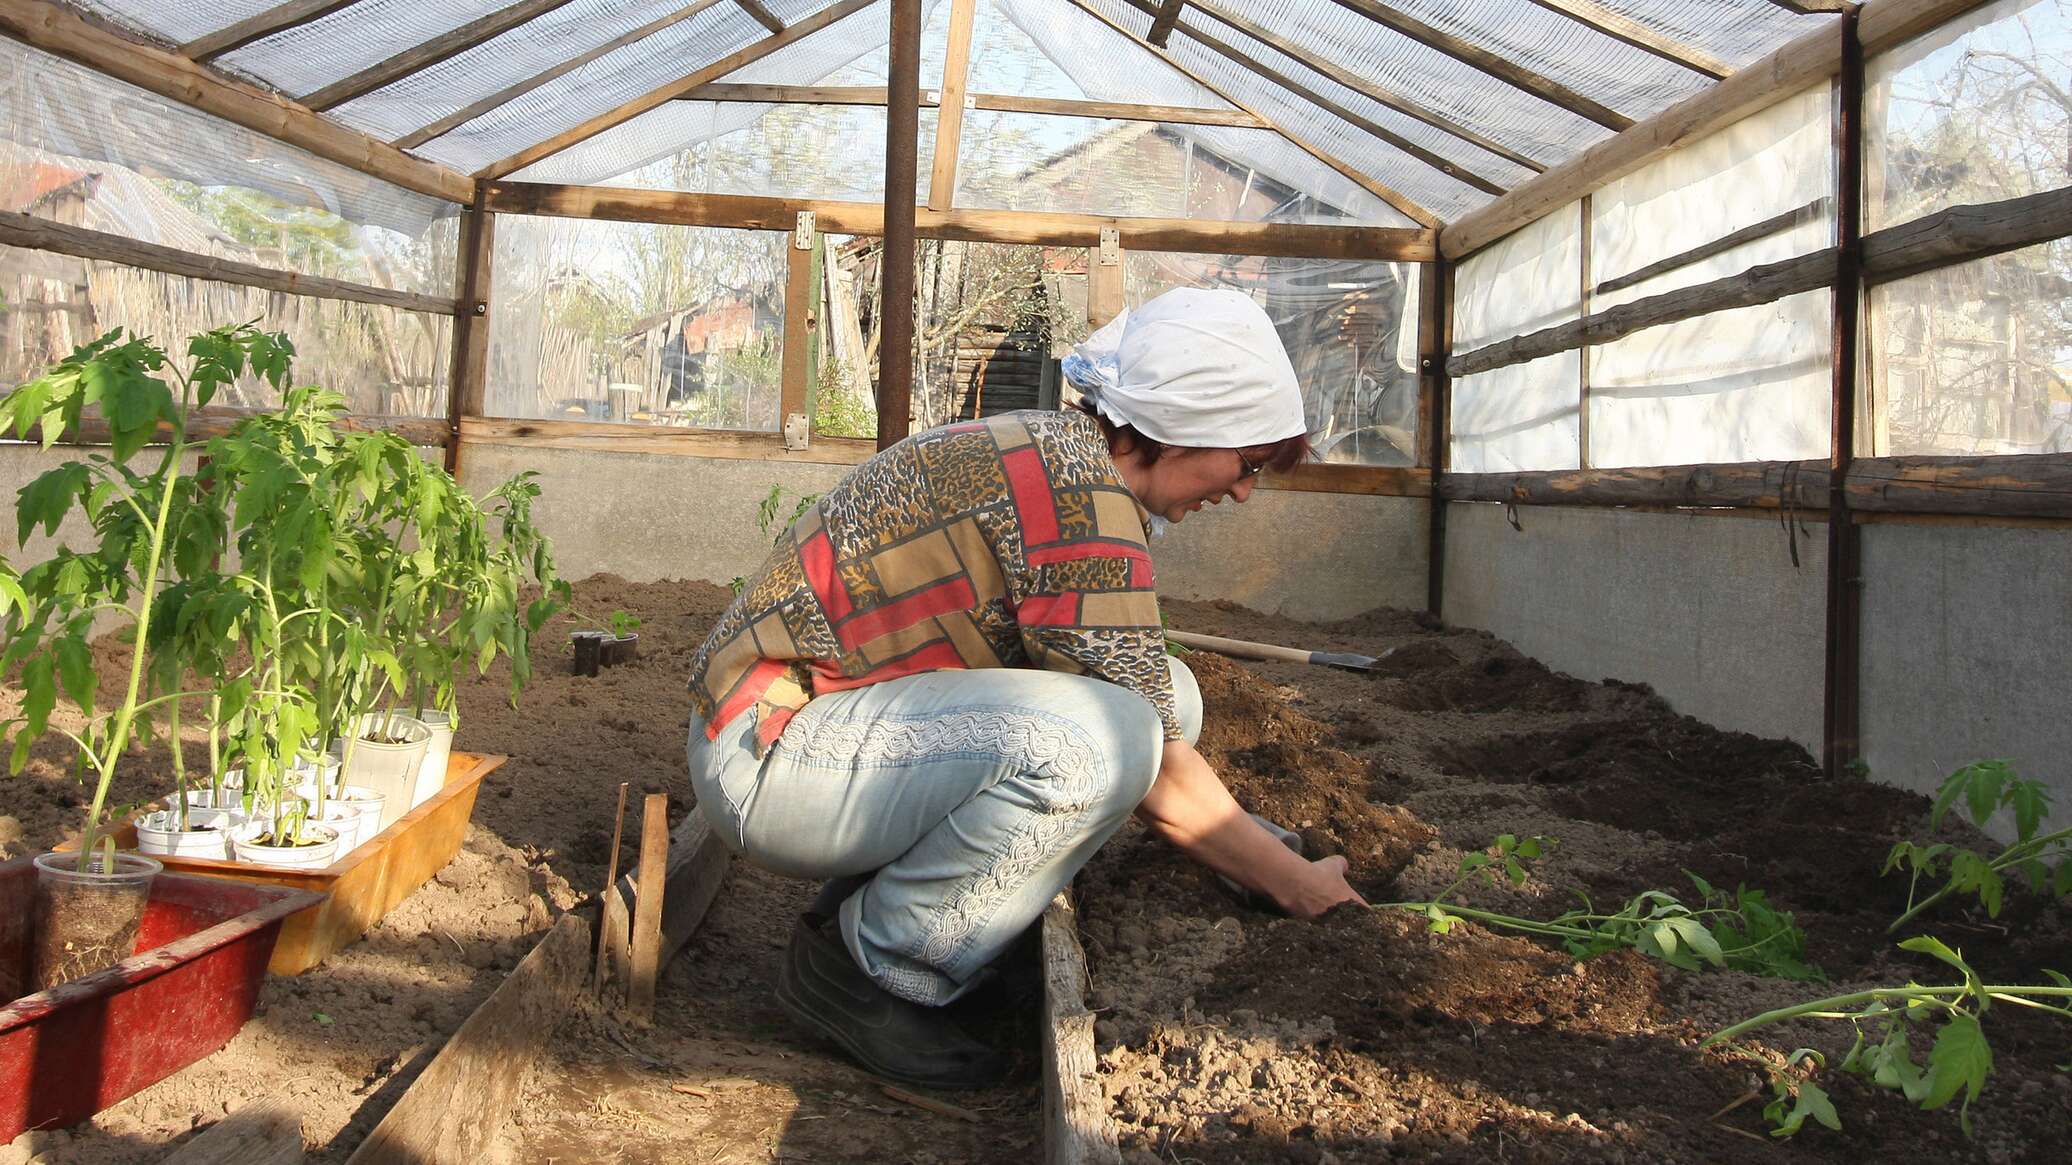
[999,102]
[504,96]
[1814,7]
[1372,91]
[949,124]
[56,29]
[747,55]
[1628,31]
[440,48]
[1366,125]
[277,19]
[1476,57]
[763,16]
[1403,204]
[1163,21]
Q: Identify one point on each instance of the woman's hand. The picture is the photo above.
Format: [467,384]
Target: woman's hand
[1318,889]
[1189,807]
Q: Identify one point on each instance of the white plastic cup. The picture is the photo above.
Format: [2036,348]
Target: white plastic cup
[207,834]
[296,857]
[388,769]
[431,773]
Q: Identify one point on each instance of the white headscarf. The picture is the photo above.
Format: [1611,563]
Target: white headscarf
[1194,368]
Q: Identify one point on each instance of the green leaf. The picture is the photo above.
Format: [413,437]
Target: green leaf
[2031,804]
[1699,940]
[40,693]
[76,670]
[1705,889]
[1960,1061]
[1928,944]
[2057,977]
[46,500]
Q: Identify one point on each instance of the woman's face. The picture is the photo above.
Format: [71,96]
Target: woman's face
[1185,480]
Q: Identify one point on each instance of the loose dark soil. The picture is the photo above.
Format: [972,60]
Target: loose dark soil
[1231,1035]
[83,928]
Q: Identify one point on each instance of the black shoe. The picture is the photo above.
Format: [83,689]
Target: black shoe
[823,989]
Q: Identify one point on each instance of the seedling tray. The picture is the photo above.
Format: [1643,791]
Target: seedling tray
[71,1051]
[367,883]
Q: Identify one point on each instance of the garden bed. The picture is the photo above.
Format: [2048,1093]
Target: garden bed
[1228,1035]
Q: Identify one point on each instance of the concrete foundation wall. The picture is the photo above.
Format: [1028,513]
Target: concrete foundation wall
[1967,653]
[647,517]
[1706,610]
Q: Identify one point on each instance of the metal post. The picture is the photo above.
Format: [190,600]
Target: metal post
[1840,727]
[902,157]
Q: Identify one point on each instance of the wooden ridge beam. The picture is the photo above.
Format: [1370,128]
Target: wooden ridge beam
[1268,73]
[874,95]
[1631,32]
[751,212]
[1407,207]
[58,30]
[746,55]
[512,92]
[1163,21]
[1371,90]
[762,15]
[1793,68]
[40,234]
[1761,284]
[442,47]
[1474,56]
[949,122]
[277,19]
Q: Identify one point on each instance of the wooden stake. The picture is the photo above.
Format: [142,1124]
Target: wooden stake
[1076,1126]
[647,919]
[930,1104]
[612,925]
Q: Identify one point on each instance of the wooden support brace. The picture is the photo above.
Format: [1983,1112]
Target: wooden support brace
[1076,1128]
[1104,287]
[270,22]
[796,374]
[467,383]
[1162,22]
[456,1108]
[423,56]
[692,871]
[949,122]
[647,918]
[261,1133]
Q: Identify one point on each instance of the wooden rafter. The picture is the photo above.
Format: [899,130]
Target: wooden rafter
[56,29]
[1162,24]
[1369,89]
[1628,31]
[949,123]
[509,93]
[763,16]
[1811,7]
[756,213]
[626,112]
[999,102]
[1509,72]
[1372,128]
[279,18]
[442,47]
[1371,185]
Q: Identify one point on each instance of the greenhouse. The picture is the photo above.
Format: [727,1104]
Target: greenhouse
[1609,729]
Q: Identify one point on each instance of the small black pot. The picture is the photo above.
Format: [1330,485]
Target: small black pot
[596,649]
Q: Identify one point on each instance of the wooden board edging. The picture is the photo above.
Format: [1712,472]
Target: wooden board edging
[696,864]
[1076,1127]
[460,1103]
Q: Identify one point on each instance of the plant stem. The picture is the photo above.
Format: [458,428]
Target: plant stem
[2011,856]
[1529,925]
[1834,1003]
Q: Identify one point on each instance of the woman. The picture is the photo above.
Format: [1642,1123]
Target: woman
[948,684]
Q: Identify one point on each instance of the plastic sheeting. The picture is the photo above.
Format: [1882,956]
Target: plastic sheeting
[1970,360]
[95,123]
[1521,416]
[636,323]
[1350,327]
[383,359]
[1751,384]
[1976,111]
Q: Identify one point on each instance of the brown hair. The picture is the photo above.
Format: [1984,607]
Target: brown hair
[1279,456]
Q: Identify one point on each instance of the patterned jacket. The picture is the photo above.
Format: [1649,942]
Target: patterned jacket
[1007,542]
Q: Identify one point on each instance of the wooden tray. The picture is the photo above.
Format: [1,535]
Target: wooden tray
[364,884]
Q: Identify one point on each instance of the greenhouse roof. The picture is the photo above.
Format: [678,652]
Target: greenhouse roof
[1388,112]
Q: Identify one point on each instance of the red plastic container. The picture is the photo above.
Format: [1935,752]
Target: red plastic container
[71,1051]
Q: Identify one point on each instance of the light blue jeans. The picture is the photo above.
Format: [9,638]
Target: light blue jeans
[969,798]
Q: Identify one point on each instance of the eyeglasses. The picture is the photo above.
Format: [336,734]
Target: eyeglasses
[1250,470]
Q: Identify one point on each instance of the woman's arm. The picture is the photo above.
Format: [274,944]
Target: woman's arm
[1189,807]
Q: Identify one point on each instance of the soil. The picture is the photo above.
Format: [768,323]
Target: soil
[83,928]
[1228,1034]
